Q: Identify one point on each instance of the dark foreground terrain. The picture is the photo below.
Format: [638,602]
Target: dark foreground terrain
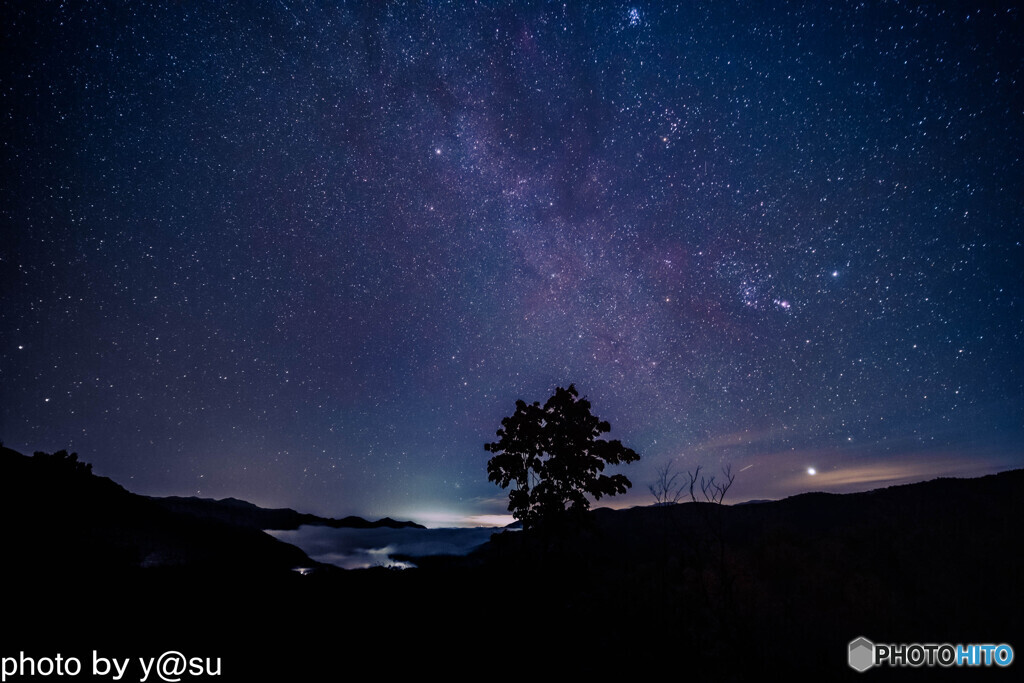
[692,591]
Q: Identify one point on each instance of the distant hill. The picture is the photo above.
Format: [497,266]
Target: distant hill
[243,513]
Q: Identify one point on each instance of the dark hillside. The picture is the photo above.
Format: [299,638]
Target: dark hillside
[59,519]
[715,592]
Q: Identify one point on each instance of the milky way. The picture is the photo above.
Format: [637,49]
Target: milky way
[310,254]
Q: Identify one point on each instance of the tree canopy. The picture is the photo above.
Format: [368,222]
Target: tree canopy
[554,458]
[63,462]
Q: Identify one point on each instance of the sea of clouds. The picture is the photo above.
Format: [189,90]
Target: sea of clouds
[361,548]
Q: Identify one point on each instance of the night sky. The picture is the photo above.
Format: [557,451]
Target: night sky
[310,254]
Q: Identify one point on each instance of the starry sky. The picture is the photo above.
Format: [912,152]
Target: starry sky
[310,253]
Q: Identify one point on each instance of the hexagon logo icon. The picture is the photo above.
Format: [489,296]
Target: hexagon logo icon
[862,654]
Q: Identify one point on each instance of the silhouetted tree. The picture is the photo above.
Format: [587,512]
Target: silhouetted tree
[62,461]
[554,459]
[665,489]
[711,555]
[714,491]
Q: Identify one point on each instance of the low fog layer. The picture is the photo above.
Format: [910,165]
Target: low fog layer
[360,548]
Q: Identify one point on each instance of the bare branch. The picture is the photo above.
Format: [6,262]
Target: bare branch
[693,480]
[714,491]
[664,488]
